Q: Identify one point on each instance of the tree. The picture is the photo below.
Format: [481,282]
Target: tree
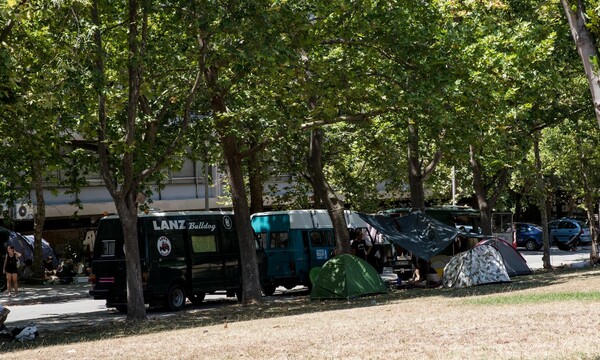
[586,43]
[241,45]
[143,77]
[33,132]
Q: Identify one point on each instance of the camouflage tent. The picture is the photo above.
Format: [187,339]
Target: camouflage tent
[514,262]
[481,265]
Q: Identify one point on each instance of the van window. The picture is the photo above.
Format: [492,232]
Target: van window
[108,248]
[321,238]
[279,240]
[204,243]
[262,239]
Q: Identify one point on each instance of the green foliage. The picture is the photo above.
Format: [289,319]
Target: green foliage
[481,73]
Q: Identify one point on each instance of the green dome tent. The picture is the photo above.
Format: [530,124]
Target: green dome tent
[346,276]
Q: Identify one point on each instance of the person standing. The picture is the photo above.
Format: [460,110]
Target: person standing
[11,269]
[359,246]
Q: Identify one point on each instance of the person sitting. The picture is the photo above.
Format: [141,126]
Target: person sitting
[66,272]
[48,263]
[421,268]
[4,311]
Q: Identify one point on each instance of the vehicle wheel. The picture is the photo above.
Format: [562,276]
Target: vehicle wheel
[531,245]
[268,290]
[121,308]
[562,246]
[197,299]
[175,298]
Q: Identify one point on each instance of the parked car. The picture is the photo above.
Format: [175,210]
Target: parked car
[528,236]
[564,230]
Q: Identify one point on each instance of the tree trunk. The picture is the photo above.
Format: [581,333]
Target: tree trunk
[251,291]
[39,218]
[542,202]
[589,203]
[127,210]
[485,212]
[487,194]
[589,207]
[585,42]
[416,173]
[415,177]
[255,183]
[323,191]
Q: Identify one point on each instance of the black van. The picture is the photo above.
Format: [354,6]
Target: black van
[183,255]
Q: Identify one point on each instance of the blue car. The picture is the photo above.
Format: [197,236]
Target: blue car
[528,236]
[566,233]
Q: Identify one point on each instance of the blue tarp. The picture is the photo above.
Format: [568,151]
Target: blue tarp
[47,250]
[24,245]
[416,232]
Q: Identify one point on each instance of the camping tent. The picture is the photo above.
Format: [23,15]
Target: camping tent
[416,232]
[47,250]
[9,237]
[346,276]
[481,265]
[513,260]
[24,245]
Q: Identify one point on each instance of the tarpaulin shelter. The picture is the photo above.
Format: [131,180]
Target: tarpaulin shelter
[481,265]
[513,260]
[416,232]
[346,276]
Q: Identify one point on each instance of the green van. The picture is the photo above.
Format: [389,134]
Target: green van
[183,255]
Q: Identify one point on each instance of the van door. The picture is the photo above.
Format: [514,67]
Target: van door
[108,263]
[280,255]
[207,267]
[321,244]
[274,232]
[230,251]
[167,248]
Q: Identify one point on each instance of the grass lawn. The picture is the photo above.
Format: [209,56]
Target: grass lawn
[548,315]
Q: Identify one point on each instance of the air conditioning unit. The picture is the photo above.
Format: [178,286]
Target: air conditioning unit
[5,210]
[23,212]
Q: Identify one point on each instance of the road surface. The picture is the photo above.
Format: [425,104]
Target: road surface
[557,257]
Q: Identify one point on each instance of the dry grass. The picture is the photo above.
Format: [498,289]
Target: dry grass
[543,316]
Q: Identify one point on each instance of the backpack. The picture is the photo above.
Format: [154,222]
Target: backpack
[27,333]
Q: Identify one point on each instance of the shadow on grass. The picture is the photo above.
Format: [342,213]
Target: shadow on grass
[286,304]
[539,279]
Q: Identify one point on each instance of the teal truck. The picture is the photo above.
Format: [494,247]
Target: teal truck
[183,255]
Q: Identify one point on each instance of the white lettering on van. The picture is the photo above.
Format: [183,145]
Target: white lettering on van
[169,225]
[201,226]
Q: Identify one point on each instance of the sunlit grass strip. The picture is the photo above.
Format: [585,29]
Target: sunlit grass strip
[536,298]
